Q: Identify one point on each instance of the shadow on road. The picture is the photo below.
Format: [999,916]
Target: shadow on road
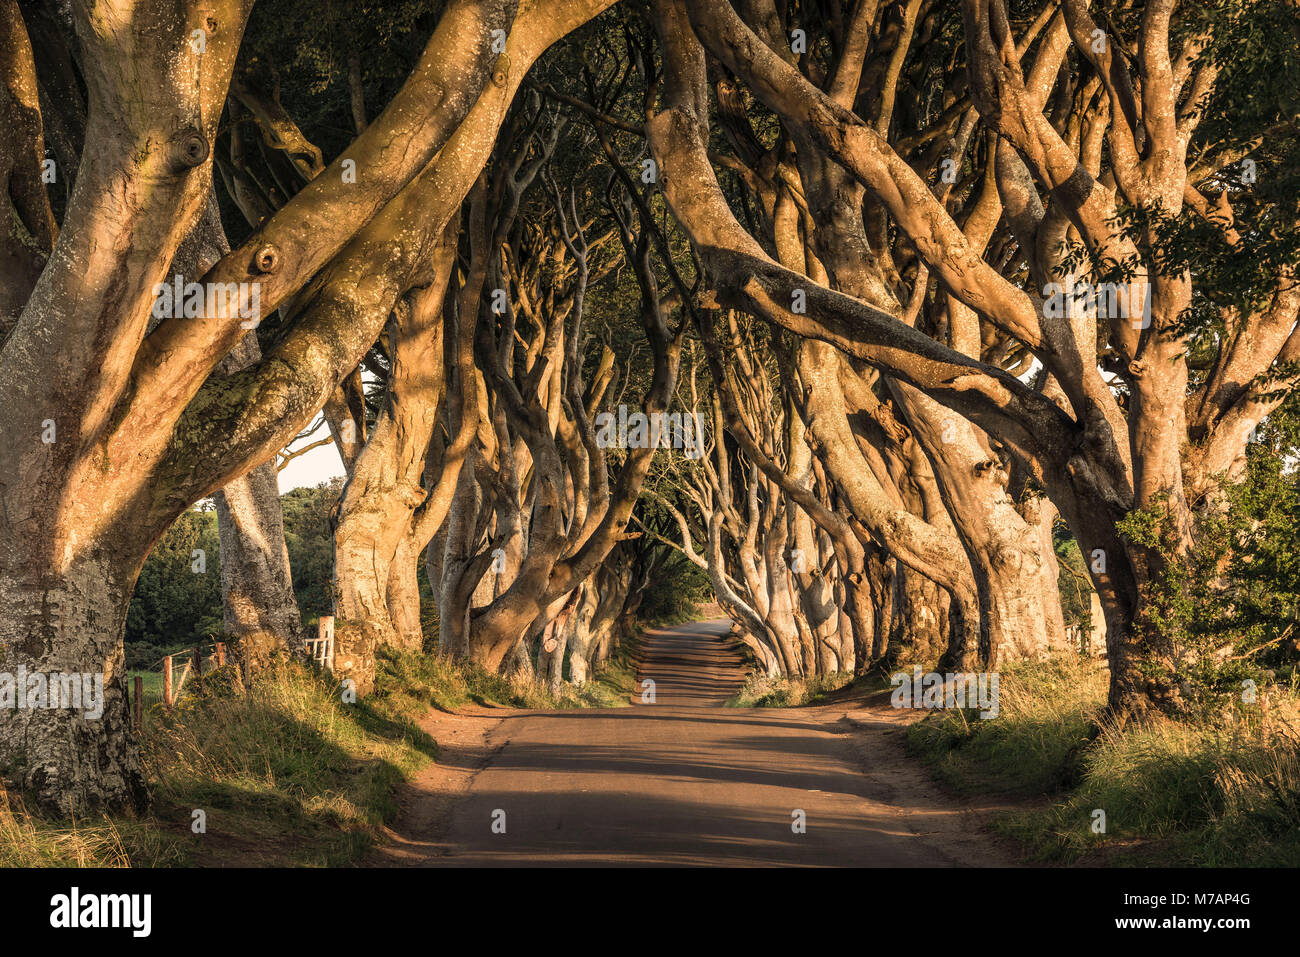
[678,779]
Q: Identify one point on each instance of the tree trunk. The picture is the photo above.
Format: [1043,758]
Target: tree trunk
[1003,549]
[68,618]
[1040,514]
[404,596]
[919,630]
[597,615]
[259,608]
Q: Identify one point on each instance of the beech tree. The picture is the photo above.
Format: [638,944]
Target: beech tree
[542,511]
[1088,157]
[116,427]
[775,573]
[999,606]
[956,271]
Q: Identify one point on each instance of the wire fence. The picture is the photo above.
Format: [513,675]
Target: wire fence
[176,669]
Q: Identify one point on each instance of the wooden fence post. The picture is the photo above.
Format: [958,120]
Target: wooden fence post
[221,654]
[325,631]
[137,701]
[167,680]
[198,662]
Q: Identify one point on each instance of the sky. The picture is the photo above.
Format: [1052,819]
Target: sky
[318,465]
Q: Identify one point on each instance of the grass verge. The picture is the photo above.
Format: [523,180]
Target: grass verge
[759,691]
[284,774]
[1214,791]
[409,683]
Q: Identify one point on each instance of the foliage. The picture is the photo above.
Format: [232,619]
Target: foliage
[300,49]
[1045,713]
[760,691]
[675,592]
[310,539]
[1072,584]
[413,682]
[1226,613]
[1209,792]
[175,606]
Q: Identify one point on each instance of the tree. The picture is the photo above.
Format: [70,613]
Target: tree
[177,598]
[117,427]
[1082,148]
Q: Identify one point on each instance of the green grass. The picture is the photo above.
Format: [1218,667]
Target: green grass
[151,686]
[1033,746]
[411,682]
[285,773]
[1214,791]
[614,683]
[31,841]
[759,691]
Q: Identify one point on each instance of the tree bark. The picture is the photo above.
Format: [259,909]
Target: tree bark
[60,614]
[259,608]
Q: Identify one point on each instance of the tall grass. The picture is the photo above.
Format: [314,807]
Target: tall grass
[760,691]
[1220,789]
[27,841]
[1046,711]
[285,772]
[409,683]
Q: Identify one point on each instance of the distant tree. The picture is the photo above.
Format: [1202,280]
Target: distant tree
[1141,151]
[177,599]
[677,590]
[311,546]
[175,605]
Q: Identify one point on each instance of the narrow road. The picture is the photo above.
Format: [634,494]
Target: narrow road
[682,781]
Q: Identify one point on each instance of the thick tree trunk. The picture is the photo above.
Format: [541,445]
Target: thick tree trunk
[925,548]
[404,596]
[457,584]
[797,655]
[1004,550]
[919,630]
[597,615]
[880,576]
[586,635]
[816,592]
[144,430]
[67,618]
[1040,514]
[375,542]
[259,608]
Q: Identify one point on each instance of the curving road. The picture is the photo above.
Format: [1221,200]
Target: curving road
[685,781]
